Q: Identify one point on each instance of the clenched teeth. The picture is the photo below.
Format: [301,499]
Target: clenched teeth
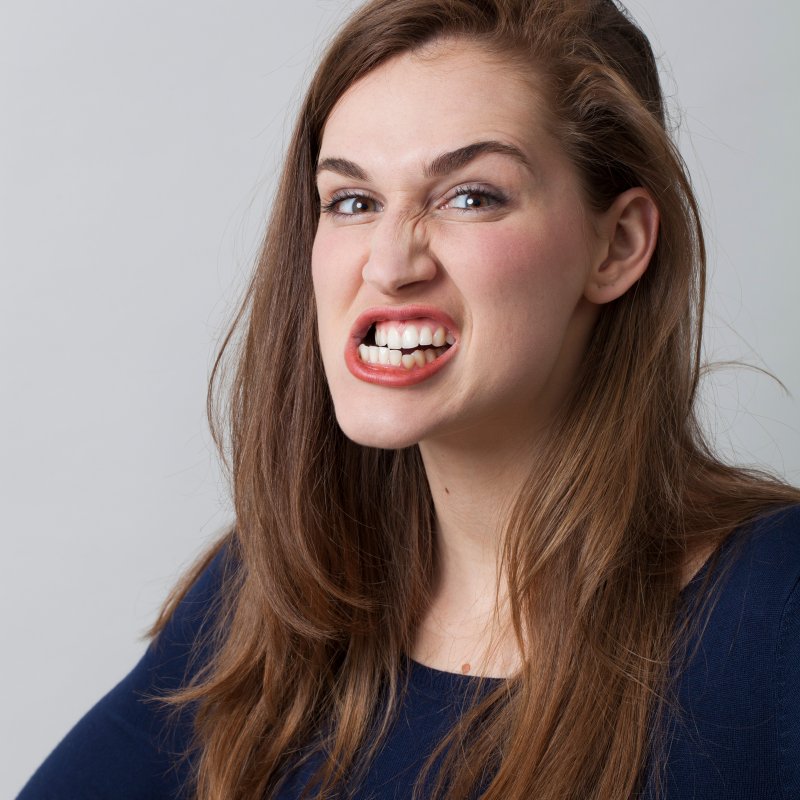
[408,343]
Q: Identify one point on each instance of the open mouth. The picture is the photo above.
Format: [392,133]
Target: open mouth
[408,344]
[401,346]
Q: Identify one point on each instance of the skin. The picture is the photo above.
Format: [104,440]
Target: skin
[520,263]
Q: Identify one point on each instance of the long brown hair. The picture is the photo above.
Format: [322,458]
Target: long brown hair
[332,556]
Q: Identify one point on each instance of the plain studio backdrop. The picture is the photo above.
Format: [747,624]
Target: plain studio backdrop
[139,143]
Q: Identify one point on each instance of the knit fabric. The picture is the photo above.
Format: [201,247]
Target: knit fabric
[734,735]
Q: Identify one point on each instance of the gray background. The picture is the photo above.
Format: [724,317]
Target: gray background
[139,143]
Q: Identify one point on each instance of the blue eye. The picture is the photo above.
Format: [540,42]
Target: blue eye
[351,205]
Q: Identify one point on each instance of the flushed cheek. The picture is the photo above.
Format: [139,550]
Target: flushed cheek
[522,292]
[511,267]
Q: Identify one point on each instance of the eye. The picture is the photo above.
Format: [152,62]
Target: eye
[474,198]
[351,205]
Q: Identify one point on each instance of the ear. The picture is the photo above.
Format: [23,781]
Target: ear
[628,232]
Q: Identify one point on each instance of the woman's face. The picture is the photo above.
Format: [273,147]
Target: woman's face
[449,213]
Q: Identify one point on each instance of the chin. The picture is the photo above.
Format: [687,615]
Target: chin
[379,431]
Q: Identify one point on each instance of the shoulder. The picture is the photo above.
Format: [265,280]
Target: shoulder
[740,601]
[128,738]
[758,565]
[771,544]
[200,598]
[781,553]
[737,726]
[753,584]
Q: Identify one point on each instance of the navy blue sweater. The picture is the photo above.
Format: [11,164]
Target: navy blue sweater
[735,737]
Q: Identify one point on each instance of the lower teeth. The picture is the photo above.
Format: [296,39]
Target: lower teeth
[372,354]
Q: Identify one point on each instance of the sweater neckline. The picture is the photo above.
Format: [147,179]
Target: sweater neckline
[438,681]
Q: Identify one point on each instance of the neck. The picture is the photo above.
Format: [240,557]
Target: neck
[472,489]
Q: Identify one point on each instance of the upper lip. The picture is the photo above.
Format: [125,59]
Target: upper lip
[366,319]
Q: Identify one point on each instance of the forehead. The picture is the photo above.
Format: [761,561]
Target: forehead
[427,101]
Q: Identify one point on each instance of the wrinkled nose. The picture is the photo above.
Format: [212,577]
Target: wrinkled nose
[399,255]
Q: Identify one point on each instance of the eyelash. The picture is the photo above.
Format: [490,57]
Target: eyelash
[496,199]
[330,206]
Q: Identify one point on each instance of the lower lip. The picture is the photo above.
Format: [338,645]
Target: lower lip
[395,377]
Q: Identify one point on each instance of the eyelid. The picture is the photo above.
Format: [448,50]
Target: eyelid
[497,197]
[340,195]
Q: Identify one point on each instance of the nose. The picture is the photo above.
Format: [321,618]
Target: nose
[399,255]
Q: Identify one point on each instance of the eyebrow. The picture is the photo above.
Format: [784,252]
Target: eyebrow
[443,164]
[344,167]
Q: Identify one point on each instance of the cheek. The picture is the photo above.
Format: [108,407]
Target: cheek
[336,275]
[519,269]
[323,269]
[325,297]
[523,288]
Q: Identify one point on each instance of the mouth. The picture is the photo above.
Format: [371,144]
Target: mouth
[400,346]
[408,343]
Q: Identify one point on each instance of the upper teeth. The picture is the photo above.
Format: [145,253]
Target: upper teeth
[411,336]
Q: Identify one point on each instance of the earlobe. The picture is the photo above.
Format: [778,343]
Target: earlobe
[630,232]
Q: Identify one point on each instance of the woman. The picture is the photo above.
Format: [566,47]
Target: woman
[481,548]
